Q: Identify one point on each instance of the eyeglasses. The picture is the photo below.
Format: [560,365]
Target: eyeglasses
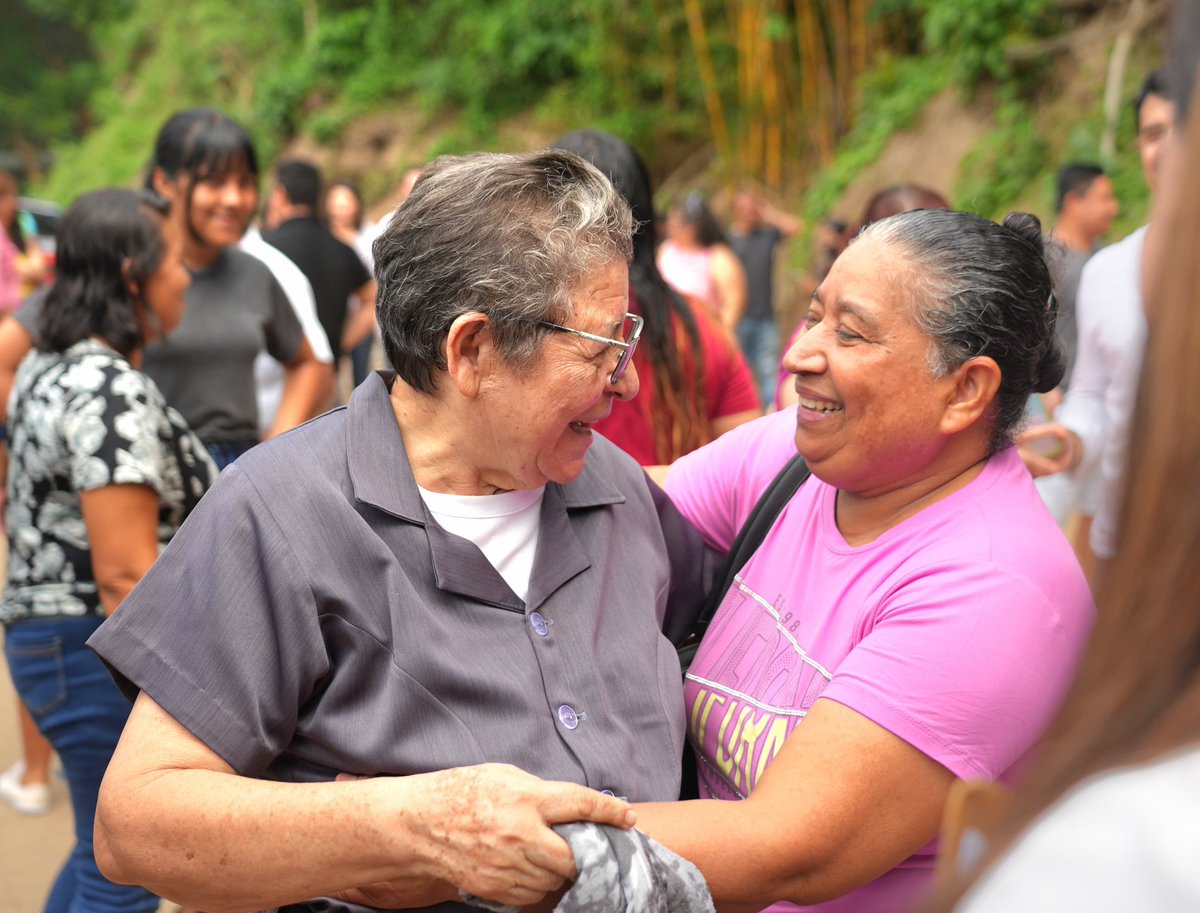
[632,334]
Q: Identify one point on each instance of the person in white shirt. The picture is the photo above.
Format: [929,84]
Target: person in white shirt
[1111,324]
[268,375]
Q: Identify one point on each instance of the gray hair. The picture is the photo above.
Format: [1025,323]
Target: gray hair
[511,236]
[982,289]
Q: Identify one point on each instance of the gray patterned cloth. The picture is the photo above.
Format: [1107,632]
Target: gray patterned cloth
[624,872]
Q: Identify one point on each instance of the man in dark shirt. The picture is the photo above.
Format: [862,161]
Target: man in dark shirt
[334,269]
[756,231]
[1086,209]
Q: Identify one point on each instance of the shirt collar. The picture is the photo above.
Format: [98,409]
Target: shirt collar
[380,473]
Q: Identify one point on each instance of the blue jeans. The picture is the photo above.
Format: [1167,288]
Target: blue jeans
[758,338]
[225,452]
[77,707]
[360,359]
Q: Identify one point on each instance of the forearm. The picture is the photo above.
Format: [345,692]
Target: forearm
[222,842]
[745,866]
[359,326]
[306,389]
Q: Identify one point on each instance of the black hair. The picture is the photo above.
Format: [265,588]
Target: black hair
[106,239]
[301,181]
[1154,84]
[14,232]
[695,212]
[355,192]
[200,143]
[983,290]
[661,307]
[1076,178]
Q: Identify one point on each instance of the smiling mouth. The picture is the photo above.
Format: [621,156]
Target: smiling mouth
[581,427]
[821,405]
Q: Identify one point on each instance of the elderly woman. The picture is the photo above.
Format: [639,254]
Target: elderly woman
[914,615]
[451,571]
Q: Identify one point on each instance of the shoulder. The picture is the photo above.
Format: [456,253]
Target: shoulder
[298,464]
[746,458]
[1119,260]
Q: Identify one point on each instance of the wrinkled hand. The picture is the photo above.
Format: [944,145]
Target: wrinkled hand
[1049,448]
[486,830]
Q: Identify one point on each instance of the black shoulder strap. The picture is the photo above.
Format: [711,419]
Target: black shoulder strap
[753,532]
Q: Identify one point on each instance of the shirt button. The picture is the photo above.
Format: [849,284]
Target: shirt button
[567,716]
[540,626]
[608,792]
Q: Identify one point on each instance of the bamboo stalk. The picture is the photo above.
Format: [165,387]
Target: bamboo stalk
[708,75]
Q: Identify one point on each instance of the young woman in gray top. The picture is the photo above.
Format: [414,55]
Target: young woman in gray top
[205,165]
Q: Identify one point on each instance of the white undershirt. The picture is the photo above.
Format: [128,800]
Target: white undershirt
[504,526]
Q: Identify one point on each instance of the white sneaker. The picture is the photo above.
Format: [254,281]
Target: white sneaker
[28,800]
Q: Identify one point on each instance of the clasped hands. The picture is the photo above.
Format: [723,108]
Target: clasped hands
[487,831]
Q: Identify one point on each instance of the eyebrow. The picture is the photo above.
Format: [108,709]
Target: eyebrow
[858,312]
[855,310]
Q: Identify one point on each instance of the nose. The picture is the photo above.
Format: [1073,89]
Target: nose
[627,385]
[807,353]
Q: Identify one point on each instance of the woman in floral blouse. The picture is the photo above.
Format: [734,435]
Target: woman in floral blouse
[101,474]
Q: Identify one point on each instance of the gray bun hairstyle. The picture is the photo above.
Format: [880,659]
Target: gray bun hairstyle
[982,289]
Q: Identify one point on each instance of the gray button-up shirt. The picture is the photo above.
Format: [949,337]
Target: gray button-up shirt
[311,617]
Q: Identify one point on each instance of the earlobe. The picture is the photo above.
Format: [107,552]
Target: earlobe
[468,348]
[131,284]
[976,382]
[162,185]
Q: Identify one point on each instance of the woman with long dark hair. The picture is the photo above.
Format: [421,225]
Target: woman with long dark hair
[695,383]
[206,167]
[101,474]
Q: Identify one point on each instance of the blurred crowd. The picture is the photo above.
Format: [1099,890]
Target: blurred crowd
[413,515]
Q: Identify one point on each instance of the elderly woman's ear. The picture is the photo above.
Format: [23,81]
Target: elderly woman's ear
[976,382]
[470,352]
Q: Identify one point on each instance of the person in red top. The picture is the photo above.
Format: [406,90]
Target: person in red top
[695,382]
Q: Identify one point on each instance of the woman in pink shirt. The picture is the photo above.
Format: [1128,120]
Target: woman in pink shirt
[915,614]
[697,261]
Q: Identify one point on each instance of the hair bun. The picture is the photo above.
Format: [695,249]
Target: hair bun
[1026,225]
[1051,368]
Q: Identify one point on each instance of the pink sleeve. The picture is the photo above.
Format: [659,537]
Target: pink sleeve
[967,663]
[716,486]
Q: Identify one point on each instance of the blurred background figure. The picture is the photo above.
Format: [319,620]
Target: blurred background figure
[1086,207]
[334,269]
[22,266]
[345,217]
[206,166]
[697,261]
[1088,427]
[101,474]
[892,201]
[695,383]
[756,231]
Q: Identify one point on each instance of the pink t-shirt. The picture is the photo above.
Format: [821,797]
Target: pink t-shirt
[10,279]
[957,630]
[689,272]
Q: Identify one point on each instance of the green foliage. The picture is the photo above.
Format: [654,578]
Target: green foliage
[892,96]
[1010,159]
